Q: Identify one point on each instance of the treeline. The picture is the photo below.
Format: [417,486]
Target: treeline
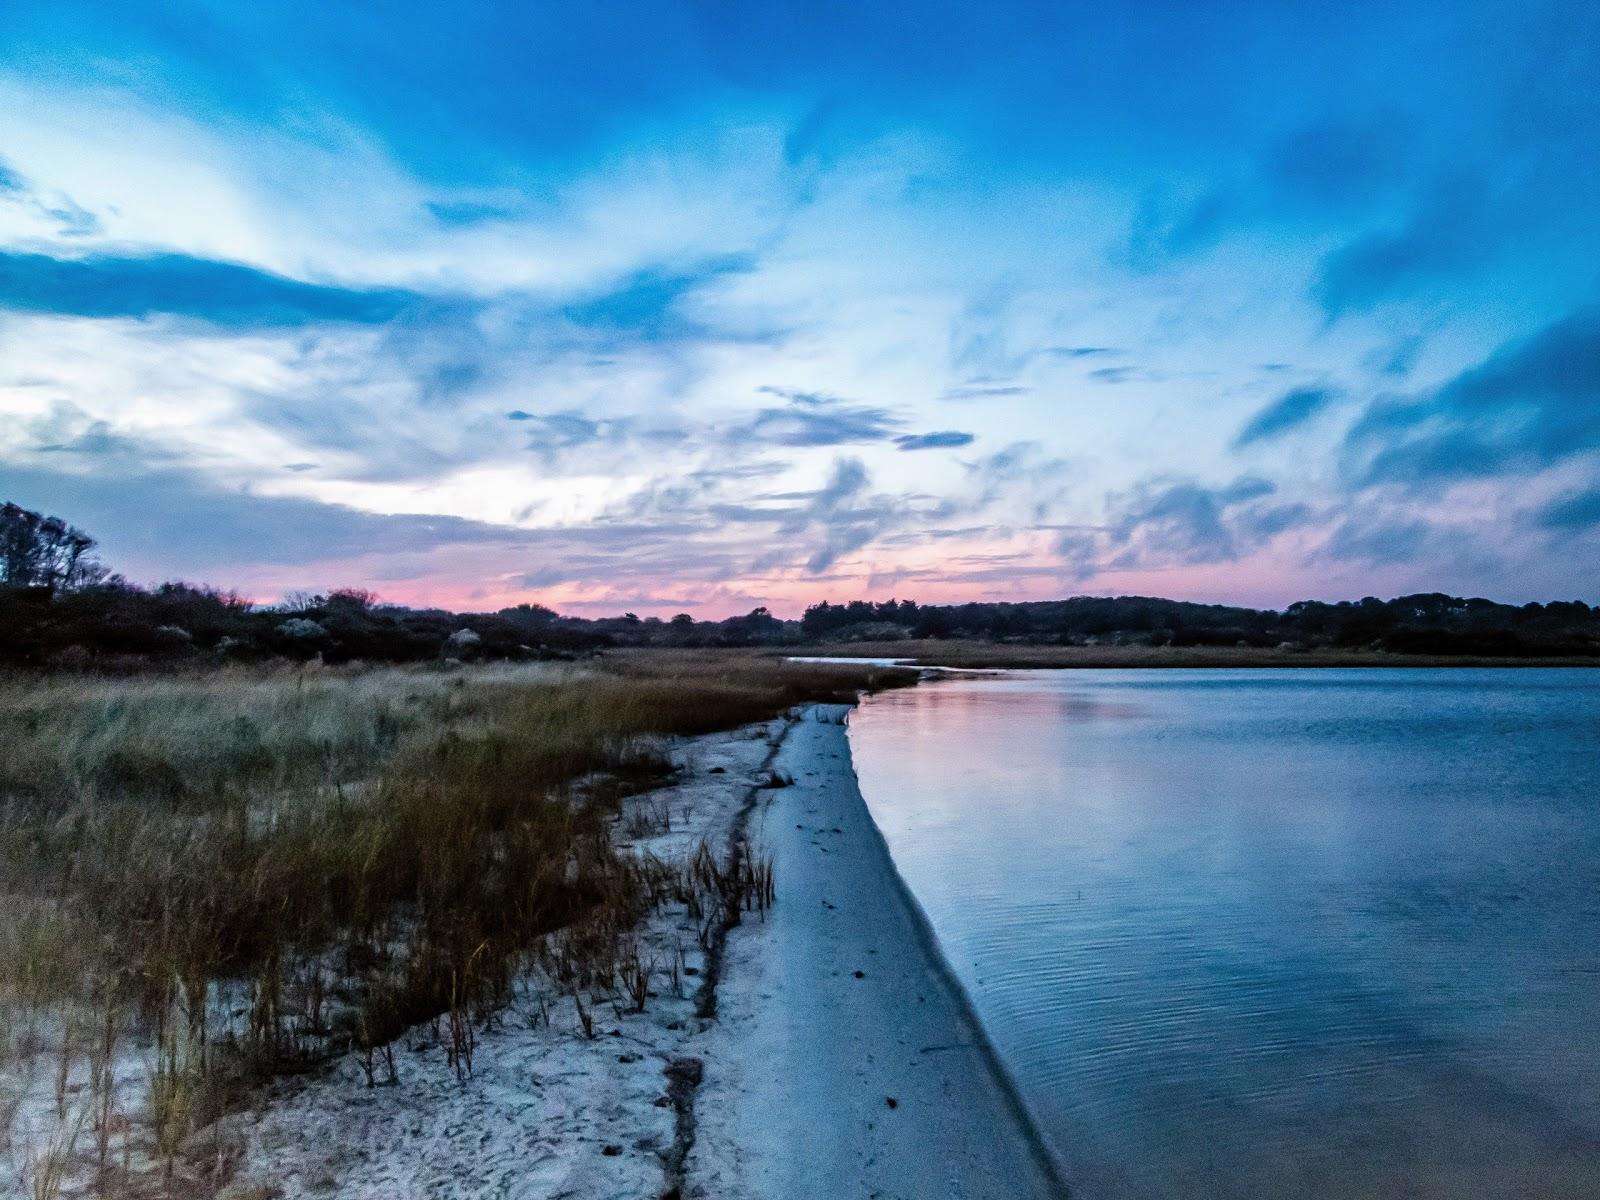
[1426,623]
[116,624]
[60,607]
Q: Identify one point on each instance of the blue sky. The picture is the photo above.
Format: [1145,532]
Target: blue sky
[668,306]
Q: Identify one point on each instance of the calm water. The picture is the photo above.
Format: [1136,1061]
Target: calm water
[1270,933]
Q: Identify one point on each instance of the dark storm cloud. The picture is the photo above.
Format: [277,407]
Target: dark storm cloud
[222,293]
[1289,411]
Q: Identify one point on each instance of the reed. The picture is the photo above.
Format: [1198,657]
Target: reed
[340,855]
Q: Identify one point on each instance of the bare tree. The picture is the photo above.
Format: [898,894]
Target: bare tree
[41,551]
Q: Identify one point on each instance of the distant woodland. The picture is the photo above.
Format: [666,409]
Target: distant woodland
[60,607]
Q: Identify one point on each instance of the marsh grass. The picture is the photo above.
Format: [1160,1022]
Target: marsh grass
[337,855]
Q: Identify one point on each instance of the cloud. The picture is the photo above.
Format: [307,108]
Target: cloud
[1399,357]
[68,433]
[1111,374]
[933,441]
[469,212]
[222,293]
[1182,522]
[846,525]
[173,522]
[1531,403]
[1289,411]
[1330,167]
[179,517]
[1337,163]
[1451,233]
[1161,524]
[648,305]
[842,514]
[1163,228]
[1022,473]
[985,391]
[1260,523]
[1079,552]
[70,219]
[564,430]
[814,419]
[1381,540]
[1575,510]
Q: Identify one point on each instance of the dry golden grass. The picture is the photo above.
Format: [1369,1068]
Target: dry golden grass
[337,855]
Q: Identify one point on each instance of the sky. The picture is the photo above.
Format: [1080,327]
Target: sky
[703,306]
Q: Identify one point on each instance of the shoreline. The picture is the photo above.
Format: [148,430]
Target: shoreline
[820,1048]
[842,1026]
[973,655]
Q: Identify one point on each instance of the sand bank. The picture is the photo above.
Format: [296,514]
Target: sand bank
[845,1061]
[550,1108]
[842,1060]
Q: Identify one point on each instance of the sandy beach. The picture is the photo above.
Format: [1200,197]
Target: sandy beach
[816,1047]
[841,1060]
[846,1061]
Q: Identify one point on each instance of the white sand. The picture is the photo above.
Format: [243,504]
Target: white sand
[805,1055]
[796,1070]
[546,1112]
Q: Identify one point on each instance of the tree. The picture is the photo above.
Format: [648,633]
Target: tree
[37,551]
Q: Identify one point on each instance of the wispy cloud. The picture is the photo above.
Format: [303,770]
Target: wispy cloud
[221,293]
[1288,412]
[813,419]
[680,308]
[934,441]
[1453,231]
[1531,403]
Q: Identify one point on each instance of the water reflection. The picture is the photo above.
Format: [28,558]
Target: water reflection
[1271,933]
